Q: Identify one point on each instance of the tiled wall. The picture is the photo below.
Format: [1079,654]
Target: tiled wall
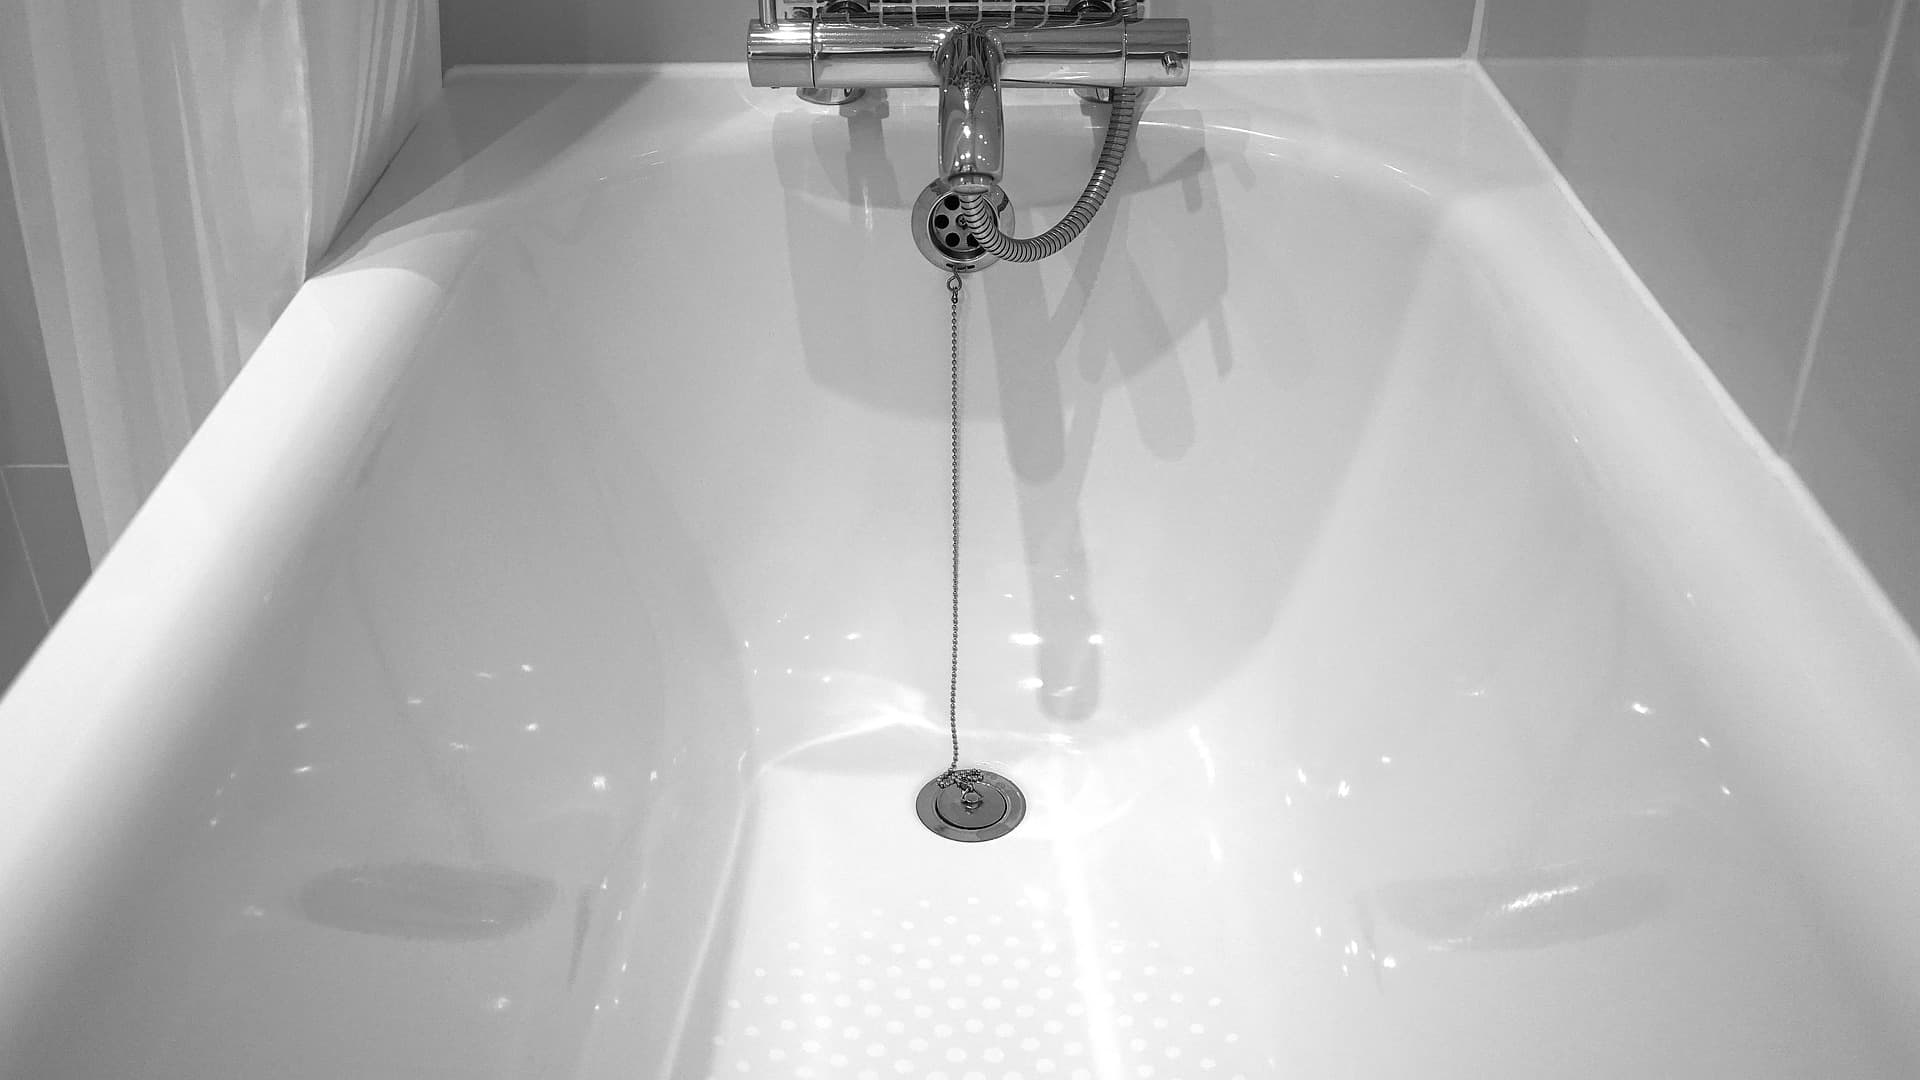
[43,556]
[612,31]
[1856,436]
[1758,161]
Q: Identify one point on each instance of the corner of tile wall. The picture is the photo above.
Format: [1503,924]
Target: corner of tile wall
[1716,151]
[41,508]
[23,621]
[1856,436]
[48,517]
[43,558]
[1759,175]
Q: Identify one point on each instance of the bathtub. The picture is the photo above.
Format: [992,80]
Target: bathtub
[1414,664]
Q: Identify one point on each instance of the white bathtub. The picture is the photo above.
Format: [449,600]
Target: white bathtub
[1415,667]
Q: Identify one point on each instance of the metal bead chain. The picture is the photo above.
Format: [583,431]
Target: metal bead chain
[966,778]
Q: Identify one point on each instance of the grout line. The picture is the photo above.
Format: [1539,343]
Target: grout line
[1730,409]
[1842,228]
[1476,39]
[26,553]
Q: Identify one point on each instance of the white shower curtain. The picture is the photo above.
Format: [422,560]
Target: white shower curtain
[179,165]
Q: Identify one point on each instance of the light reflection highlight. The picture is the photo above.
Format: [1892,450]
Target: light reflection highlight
[1205,752]
[1538,897]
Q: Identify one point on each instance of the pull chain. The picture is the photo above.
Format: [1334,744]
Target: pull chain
[986,805]
[965,778]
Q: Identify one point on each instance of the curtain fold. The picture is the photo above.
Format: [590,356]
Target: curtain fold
[179,166]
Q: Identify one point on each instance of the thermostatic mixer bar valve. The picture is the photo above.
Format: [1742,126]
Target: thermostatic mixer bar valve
[837,53]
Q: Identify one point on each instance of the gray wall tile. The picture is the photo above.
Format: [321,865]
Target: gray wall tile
[29,423]
[1260,30]
[49,519]
[1857,439]
[1713,140]
[39,505]
[573,31]
[598,31]
[1673,28]
[22,623]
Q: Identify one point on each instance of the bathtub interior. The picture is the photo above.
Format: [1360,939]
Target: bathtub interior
[1359,730]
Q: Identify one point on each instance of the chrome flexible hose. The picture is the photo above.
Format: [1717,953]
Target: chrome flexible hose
[976,210]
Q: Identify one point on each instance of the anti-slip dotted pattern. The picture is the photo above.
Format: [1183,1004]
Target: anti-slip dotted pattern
[966,993]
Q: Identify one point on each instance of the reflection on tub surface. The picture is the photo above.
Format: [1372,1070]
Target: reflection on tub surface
[426,901]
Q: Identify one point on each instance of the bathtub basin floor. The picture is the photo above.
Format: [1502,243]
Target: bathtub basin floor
[860,949]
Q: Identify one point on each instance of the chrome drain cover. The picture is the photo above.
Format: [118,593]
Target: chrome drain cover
[994,808]
[941,236]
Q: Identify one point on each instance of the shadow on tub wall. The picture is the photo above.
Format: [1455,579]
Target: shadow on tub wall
[468,151]
[849,184]
[1054,382]
[1062,337]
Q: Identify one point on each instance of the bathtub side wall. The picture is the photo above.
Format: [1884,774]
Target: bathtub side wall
[418,755]
[624,31]
[1755,160]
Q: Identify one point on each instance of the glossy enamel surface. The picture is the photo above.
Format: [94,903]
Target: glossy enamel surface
[1410,667]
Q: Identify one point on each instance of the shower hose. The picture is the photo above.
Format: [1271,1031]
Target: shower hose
[976,211]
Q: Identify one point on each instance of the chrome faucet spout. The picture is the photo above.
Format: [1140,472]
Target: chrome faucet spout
[972,125]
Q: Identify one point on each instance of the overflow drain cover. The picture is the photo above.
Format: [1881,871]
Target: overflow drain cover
[992,809]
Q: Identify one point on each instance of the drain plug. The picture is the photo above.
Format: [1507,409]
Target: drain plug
[944,239]
[992,809]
